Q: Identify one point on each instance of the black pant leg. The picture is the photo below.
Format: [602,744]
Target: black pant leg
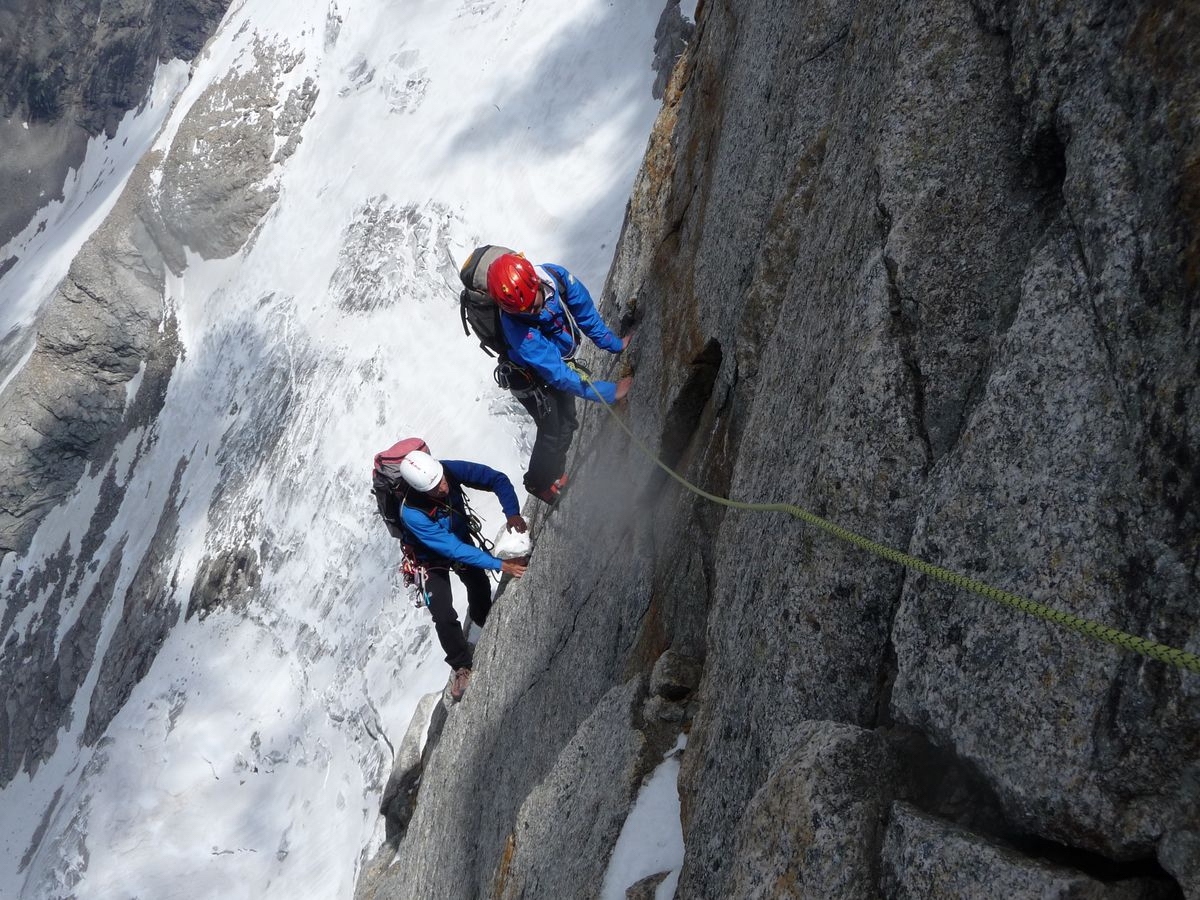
[541,472]
[568,422]
[479,593]
[556,423]
[445,619]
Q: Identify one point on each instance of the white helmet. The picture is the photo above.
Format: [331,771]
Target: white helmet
[421,471]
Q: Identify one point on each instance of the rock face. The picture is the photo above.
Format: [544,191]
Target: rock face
[926,858]
[670,39]
[66,406]
[105,350]
[69,70]
[216,186]
[815,827]
[931,271]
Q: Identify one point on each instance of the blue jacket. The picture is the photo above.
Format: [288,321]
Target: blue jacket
[439,530]
[541,342]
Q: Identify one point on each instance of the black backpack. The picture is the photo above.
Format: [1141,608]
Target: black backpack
[476,307]
[478,310]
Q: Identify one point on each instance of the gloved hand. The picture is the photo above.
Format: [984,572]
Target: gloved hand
[517,524]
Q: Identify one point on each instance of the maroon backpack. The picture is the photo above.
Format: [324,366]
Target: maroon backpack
[387,485]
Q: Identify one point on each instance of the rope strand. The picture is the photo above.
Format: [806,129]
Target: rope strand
[1097,630]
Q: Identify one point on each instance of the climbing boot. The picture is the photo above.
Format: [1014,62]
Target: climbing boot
[552,493]
[458,683]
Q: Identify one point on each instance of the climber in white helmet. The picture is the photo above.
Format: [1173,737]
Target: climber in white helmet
[436,517]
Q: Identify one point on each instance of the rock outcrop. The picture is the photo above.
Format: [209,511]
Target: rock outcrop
[924,857]
[69,70]
[931,271]
[105,350]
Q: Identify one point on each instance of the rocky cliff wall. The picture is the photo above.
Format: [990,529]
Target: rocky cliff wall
[69,70]
[930,270]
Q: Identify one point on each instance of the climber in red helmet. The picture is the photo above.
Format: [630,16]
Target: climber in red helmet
[545,312]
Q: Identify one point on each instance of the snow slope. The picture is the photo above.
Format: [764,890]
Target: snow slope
[249,759]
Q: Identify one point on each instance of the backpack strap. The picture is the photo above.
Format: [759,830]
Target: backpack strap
[466,305]
[572,325]
[471,266]
[462,312]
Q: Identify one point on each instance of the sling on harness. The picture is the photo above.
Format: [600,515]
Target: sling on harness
[523,382]
[415,571]
[414,575]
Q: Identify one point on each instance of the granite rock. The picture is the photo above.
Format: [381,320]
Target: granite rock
[924,857]
[60,85]
[929,271]
[815,827]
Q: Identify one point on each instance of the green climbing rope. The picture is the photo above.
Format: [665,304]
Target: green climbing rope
[1097,630]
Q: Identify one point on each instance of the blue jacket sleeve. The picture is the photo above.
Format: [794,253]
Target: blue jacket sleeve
[442,543]
[527,346]
[579,301]
[485,478]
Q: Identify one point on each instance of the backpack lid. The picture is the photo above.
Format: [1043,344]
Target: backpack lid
[387,462]
[399,450]
[474,271]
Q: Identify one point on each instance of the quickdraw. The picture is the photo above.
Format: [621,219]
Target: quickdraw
[414,575]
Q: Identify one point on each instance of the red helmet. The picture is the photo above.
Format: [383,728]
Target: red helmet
[513,283]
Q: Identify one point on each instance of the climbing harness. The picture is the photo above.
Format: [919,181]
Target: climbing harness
[511,377]
[523,383]
[415,572]
[1096,630]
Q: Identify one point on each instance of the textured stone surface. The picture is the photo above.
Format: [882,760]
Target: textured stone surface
[70,405]
[1074,478]
[107,318]
[522,731]
[67,407]
[815,826]
[670,39]
[1179,853]
[647,888]
[147,614]
[674,676]
[929,270]
[569,823]
[927,859]
[400,794]
[216,186]
[40,679]
[226,580]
